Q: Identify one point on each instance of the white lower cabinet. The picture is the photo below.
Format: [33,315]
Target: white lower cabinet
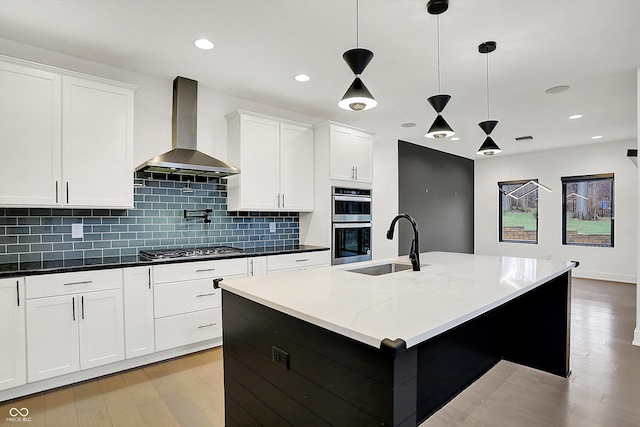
[298,261]
[138,312]
[13,367]
[257,266]
[73,330]
[187,305]
[188,328]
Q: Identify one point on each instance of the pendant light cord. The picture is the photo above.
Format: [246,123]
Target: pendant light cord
[438,50]
[357,23]
[488,111]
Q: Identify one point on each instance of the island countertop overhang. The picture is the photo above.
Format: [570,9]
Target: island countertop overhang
[450,289]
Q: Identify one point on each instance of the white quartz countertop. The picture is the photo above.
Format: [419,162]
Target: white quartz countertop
[450,289]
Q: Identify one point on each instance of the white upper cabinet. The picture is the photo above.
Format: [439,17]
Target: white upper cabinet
[275,158]
[97,144]
[296,167]
[30,136]
[350,154]
[66,140]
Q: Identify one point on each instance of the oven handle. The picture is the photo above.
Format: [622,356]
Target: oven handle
[352,198]
[351,225]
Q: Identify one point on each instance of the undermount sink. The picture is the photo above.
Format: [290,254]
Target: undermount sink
[377,270]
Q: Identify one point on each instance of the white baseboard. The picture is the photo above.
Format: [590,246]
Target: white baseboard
[111,368]
[595,275]
[636,336]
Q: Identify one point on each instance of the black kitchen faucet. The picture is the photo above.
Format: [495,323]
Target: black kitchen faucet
[414,253]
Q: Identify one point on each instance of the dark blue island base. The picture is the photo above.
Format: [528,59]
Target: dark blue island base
[280,370]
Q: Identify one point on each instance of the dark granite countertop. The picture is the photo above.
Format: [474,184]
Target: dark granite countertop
[85,264]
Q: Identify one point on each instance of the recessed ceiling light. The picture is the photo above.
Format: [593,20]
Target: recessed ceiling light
[302,78]
[408,125]
[455,138]
[575,116]
[203,44]
[558,89]
[597,137]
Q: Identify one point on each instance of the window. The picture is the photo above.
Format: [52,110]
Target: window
[587,210]
[518,211]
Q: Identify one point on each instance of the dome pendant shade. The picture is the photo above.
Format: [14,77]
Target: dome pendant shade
[357,59]
[438,102]
[488,126]
[489,147]
[440,129]
[357,97]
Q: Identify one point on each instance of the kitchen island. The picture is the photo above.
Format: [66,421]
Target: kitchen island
[335,347]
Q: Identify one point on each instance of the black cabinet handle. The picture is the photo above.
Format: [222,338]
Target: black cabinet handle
[82,303]
[18,291]
[149,277]
[73,308]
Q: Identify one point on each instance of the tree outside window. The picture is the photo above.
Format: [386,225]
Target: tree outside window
[587,210]
[518,211]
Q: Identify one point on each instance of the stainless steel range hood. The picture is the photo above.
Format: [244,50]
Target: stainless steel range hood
[184,158]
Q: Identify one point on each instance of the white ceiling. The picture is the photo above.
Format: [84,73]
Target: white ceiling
[591,45]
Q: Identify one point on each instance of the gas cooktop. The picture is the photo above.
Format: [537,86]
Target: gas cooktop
[205,252]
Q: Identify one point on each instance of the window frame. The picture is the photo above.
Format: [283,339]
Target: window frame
[500,212]
[579,178]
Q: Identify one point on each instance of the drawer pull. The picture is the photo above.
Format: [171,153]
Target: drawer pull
[205,269]
[302,260]
[205,295]
[207,326]
[86,282]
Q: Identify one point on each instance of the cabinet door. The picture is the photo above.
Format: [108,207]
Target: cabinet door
[296,168]
[259,163]
[101,328]
[257,266]
[341,164]
[138,312]
[30,136]
[97,152]
[52,337]
[361,150]
[13,357]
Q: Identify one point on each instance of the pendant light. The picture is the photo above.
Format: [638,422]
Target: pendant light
[440,128]
[488,147]
[357,97]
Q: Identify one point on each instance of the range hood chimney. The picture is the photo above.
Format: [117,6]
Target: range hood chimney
[184,158]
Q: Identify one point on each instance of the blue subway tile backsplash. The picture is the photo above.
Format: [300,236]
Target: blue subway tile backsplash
[156,222]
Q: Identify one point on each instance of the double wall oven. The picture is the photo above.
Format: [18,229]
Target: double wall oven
[351,225]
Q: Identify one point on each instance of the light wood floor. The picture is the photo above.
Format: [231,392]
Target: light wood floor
[603,389]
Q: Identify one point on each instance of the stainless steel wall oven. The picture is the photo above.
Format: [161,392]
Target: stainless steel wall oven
[351,228]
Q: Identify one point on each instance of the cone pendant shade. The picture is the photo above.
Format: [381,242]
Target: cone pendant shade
[489,147]
[440,128]
[357,97]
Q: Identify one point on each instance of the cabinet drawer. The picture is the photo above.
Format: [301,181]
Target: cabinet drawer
[199,269]
[184,297]
[183,329]
[48,285]
[298,260]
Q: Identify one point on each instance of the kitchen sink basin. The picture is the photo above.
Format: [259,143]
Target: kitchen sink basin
[380,269]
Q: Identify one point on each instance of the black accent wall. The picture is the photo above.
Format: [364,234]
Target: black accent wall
[436,189]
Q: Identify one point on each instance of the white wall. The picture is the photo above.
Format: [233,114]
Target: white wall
[618,263]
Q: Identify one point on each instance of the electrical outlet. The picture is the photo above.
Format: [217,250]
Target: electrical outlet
[77,231]
[280,357]
[272,227]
